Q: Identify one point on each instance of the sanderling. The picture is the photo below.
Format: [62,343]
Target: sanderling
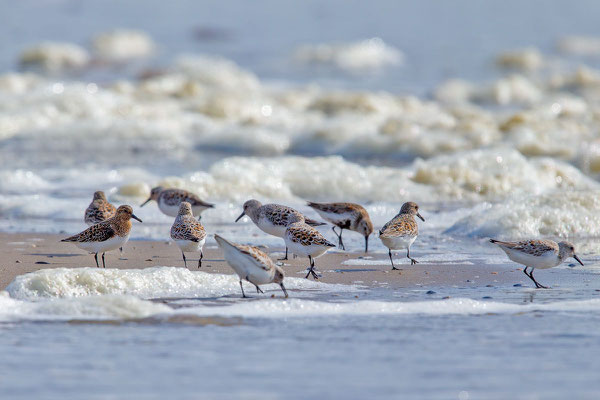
[401,231]
[251,264]
[274,218]
[188,234]
[99,209]
[304,240]
[105,236]
[534,254]
[169,199]
[346,216]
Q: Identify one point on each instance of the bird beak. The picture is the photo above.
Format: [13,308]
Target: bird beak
[420,216]
[136,218]
[241,215]
[284,291]
[366,244]
[577,258]
[146,202]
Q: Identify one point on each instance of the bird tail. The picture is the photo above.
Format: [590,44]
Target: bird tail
[312,222]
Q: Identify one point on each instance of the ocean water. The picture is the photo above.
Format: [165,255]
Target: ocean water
[487,120]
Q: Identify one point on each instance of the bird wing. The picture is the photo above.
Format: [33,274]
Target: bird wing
[402,225]
[307,235]
[96,233]
[188,229]
[262,260]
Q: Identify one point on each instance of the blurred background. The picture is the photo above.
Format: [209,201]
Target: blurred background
[461,105]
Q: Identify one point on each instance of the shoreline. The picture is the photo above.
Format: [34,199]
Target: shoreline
[21,253]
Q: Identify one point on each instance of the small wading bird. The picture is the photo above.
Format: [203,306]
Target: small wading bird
[187,233]
[274,218]
[304,240]
[105,236]
[99,210]
[541,254]
[169,199]
[345,216]
[251,264]
[401,231]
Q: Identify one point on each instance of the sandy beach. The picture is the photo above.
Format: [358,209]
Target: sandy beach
[27,252]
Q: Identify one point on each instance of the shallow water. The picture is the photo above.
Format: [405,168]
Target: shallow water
[520,343]
[374,103]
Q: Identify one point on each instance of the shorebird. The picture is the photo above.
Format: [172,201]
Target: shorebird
[105,236]
[401,231]
[251,264]
[169,199]
[99,209]
[187,233]
[274,218]
[304,240]
[541,254]
[345,216]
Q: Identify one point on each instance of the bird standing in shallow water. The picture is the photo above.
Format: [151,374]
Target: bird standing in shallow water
[274,218]
[541,254]
[251,264]
[105,236]
[401,231]
[304,240]
[169,200]
[188,233]
[345,216]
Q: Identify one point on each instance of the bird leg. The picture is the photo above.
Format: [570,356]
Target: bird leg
[184,260]
[96,258]
[392,261]
[412,260]
[200,260]
[284,291]
[258,290]
[242,287]
[311,270]
[103,264]
[340,241]
[286,255]
[530,275]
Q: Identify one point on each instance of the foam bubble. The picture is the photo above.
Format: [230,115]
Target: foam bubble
[122,44]
[562,214]
[148,283]
[353,57]
[55,56]
[94,307]
[458,306]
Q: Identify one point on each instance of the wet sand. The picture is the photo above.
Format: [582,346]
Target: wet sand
[23,253]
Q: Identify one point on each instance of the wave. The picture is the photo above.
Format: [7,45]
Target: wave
[147,283]
[558,214]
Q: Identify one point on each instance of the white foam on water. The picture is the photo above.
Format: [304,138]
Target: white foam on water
[91,307]
[271,308]
[352,57]
[148,283]
[557,214]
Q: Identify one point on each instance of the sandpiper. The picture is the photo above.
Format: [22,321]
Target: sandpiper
[169,199]
[105,236]
[401,231]
[274,218]
[251,264]
[346,216]
[99,209]
[187,233]
[304,240]
[541,254]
